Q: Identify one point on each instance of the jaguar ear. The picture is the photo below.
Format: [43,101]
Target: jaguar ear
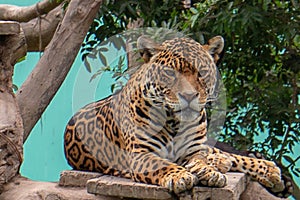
[147,47]
[215,46]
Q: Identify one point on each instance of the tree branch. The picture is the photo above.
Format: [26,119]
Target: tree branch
[42,84]
[39,33]
[25,14]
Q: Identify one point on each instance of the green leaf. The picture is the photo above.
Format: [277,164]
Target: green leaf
[112,87]
[194,10]
[288,159]
[92,56]
[103,49]
[94,76]
[296,173]
[21,59]
[118,43]
[87,66]
[102,58]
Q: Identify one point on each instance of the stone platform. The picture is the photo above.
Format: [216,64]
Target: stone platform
[76,185]
[120,188]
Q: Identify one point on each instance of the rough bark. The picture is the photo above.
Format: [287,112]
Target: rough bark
[25,14]
[39,21]
[39,31]
[42,84]
[12,47]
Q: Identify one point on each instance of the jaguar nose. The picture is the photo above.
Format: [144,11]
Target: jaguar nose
[188,96]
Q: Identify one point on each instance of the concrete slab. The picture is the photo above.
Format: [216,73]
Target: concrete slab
[74,178]
[114,186]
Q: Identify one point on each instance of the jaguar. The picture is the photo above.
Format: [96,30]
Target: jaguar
[154,129]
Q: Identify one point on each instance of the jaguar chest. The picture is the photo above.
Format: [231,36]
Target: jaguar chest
[174,149]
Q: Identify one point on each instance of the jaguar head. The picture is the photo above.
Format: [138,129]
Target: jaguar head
[180,74]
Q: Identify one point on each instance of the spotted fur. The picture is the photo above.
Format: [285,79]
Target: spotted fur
[154,129]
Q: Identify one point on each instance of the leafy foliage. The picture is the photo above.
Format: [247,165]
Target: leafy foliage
[260,69]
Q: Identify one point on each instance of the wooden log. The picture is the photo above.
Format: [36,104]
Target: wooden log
[12,47]
[9,28]
[40,31]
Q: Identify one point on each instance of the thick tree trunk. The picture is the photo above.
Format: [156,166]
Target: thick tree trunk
[12,47]
[42,84]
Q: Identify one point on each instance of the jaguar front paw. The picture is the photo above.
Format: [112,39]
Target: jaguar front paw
[284,189]
[207,175]
[273,181]
[179,181]
[268,174]
[277,184]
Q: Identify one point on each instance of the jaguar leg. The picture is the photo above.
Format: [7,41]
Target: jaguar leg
[263,171]
[267,173]
[149,168]
[279,190]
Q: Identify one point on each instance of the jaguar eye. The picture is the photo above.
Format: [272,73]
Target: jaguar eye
[170,72]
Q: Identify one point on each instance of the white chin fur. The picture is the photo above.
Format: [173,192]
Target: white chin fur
[187,115]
